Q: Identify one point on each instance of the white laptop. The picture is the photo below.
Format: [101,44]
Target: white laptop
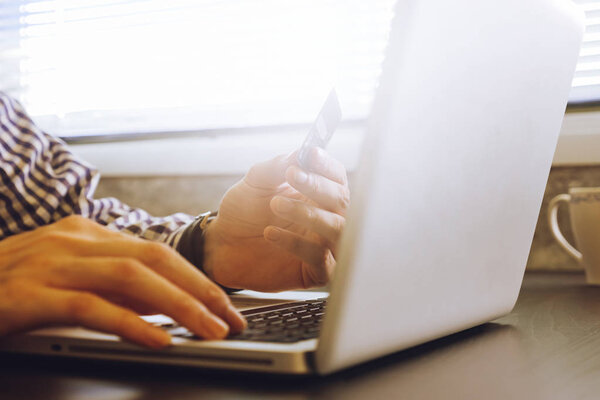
[448,190]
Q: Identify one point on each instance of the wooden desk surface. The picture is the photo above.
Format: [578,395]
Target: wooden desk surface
[547,348]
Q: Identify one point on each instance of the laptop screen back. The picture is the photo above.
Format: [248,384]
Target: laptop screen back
[453,171]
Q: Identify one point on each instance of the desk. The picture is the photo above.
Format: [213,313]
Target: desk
[547,348]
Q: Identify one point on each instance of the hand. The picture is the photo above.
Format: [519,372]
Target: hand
[277,228]
[75,272]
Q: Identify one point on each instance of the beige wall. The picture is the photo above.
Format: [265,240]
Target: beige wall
[167,195]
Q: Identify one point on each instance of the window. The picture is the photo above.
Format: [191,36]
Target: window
[97,67]
[121,66]
[586,83]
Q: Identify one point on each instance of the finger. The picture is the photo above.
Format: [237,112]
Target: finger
[169,264]
[130,278]
[91,311]
[328,194]
[139,307]
[320,162]
[269,175]
[318,264]
[326,224]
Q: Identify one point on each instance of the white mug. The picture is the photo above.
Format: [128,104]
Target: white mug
[584,210]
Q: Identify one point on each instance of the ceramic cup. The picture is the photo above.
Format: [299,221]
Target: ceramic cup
[584,210]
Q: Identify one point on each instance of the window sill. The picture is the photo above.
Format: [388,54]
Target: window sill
[579,141]
[233,154]
[226,154]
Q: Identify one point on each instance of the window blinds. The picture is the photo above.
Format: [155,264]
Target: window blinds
[112,66]
[586,83]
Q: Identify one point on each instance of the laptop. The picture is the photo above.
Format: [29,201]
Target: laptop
[448,189]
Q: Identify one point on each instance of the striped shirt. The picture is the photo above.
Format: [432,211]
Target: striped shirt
[42,181]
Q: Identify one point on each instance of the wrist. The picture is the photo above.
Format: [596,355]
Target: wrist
[207,249]
[203,243]
[191,244]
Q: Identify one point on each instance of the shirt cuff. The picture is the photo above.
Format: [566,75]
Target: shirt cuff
[191,247]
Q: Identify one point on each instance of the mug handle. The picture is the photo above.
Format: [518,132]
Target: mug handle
[553,222]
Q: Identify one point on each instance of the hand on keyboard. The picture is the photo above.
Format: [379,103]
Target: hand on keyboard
[77,272]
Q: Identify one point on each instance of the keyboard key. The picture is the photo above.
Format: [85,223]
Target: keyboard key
[178,331]
[287,323]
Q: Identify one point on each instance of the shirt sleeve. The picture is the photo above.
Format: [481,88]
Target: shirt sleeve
[42,181]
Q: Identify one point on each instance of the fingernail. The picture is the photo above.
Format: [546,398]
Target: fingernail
[218,328]
[157,338]
[301,176]
[283,204]
[273,234]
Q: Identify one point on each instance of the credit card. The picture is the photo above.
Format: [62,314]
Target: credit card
[321,131]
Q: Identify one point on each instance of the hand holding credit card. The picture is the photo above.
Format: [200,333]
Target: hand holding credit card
[322,129]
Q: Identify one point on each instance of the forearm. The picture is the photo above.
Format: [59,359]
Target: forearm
[42,181]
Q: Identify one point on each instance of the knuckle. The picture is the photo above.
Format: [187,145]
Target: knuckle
[344,200]
[123,322]
[338,225]
[79,306]
[254,174]
[187,305]
[157,252]
[75,221]
[311,215]
[215,296]
[128,270]
[314,183]
[343,174]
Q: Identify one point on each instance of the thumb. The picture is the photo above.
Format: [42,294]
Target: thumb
[270,174]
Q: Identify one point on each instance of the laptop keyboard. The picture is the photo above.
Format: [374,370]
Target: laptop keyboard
[282,323]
